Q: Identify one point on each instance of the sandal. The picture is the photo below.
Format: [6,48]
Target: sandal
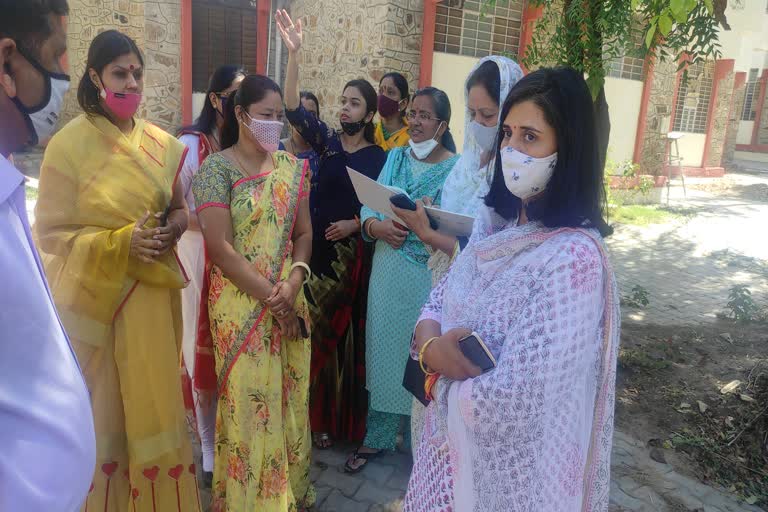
[322,440]
[357,454]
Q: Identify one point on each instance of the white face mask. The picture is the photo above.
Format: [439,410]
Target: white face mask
[484,135]
[43,118]
[425,148]
[524,175]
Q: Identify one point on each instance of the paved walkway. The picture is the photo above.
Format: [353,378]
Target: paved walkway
[689,266]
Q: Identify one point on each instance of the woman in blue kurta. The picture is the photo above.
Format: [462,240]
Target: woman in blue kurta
[337,290]
[400,280]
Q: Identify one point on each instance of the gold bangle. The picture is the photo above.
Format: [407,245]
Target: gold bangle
[301,264]
[421,355]
[368,228]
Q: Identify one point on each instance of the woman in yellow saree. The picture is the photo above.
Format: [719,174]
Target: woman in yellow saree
[253,210]
[116,281]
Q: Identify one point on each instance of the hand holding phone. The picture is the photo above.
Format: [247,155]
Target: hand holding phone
[477,351]
[404,202]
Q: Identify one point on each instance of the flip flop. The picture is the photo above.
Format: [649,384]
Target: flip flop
[357,454]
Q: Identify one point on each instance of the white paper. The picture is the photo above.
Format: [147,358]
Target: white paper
[376,197]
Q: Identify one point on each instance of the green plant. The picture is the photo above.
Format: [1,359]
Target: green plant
[587,34]
[638,298]
[741,305]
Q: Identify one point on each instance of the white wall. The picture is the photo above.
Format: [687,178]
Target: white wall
[747,41]
[691,147]
[624,97]
[744,135]
[198,100]
[449,73]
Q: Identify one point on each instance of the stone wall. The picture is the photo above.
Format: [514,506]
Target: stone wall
[349,39]
[155,26]
[737,107]
[654,153]
[721,122]
[762,132]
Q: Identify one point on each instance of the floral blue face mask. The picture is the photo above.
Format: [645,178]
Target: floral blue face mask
[524,175]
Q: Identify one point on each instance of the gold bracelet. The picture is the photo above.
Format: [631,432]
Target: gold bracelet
[368,226]
[301,264]
[421,355]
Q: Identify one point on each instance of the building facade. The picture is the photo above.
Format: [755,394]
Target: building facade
[721,109]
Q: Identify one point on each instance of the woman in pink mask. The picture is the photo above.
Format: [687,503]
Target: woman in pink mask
[109,214]
[253,208]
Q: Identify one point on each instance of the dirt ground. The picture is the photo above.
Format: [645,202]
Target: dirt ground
[676,391]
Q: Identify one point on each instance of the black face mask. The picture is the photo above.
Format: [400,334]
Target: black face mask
[353,128]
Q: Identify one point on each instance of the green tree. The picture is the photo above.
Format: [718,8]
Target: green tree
[587,34]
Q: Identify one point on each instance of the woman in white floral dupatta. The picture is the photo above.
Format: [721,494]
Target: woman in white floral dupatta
[534,433]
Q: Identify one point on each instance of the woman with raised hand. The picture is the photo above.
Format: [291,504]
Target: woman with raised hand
[202,139]
[340,263]
[535,284]
[110,211]
[392,128]
[295,143]
[254,213]
[400,279]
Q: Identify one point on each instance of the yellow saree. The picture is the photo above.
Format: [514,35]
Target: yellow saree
[123,316]
[395,140]
[262,422]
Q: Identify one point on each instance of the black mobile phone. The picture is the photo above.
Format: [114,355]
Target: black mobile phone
[406,203]
[476,351]
[303,328]
[164,216]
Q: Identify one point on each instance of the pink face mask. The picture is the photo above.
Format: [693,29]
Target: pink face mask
[122,105]
[266,133]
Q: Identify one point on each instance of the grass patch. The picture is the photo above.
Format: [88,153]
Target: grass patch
[641,215]
[31,193]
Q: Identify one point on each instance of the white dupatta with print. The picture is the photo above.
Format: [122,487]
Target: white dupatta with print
[535,433]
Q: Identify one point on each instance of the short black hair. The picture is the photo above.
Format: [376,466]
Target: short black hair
[105,47]
[574,196]
[487,75]
[252,90]
[27,21]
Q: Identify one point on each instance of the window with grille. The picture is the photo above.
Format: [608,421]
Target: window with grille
[223,32]
[629,66]
[692,105]
[461,28]
[750,95]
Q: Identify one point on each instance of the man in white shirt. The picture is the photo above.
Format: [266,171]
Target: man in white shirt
[47,442]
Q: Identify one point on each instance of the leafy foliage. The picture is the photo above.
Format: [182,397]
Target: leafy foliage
[638,298]
[586,34]
[741,305]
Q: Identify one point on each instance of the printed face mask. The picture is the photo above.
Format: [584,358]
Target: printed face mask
[266,133]
[352,128]
[425,148]
[526,176]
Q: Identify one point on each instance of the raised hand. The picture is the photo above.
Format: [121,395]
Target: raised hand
[292,34]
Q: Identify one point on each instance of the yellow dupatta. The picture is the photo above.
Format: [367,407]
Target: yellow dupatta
[395,140]
[95,183]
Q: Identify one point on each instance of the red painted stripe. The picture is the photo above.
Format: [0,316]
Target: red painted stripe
[210,205]
[154,139]
[150,156]
[250,178]
[120,307]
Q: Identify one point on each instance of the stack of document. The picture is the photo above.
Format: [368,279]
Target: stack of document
[376,197]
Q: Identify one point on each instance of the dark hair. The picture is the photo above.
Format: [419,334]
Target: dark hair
[220,81]
[371,99]
[252,90]
[442,106]
[487,76]
[104,48]
[401,83]
[575,196]
[28,23]
[306,95]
